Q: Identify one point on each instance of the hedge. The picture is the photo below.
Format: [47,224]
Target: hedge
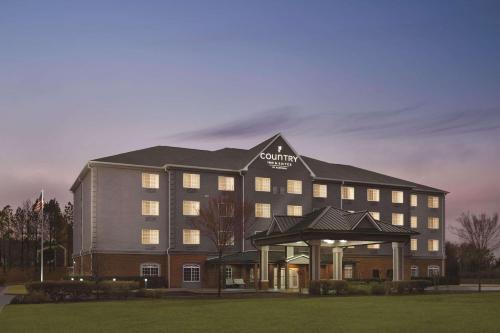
[407,287]
[327,287]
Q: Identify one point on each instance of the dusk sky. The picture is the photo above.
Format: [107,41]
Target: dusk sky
[410,89]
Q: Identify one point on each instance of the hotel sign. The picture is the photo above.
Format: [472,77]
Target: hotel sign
[278,160]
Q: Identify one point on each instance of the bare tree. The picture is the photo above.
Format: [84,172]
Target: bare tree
[482,235]
[220,220]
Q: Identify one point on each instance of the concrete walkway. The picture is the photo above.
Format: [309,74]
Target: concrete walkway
[4,299]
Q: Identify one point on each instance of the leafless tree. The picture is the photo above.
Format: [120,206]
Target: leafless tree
[220,220]
[482,234]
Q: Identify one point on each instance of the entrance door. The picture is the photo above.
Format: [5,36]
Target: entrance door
[293,278]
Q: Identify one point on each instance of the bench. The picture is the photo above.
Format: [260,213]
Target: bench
[239,283]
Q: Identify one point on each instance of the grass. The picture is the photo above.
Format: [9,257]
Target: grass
[425,313]
[16,289]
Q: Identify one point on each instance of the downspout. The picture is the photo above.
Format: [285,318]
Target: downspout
[243,213]
[169,231]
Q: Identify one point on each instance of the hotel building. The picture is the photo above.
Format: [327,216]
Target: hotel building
[133,213]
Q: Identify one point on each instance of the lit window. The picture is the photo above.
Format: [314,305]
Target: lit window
[347,193]
[348,271]
[190,180]
[294,186]
[414,200]
[319,191]
[398,218]
[226,238]
[292,210]
[150,180]
[262,184]
[150,270]
[373,246]
[229,272]
[433,245]
[150,236]
[190,236]
[414,222]
[375,215]
[413,244]
[373,194]
[150,208]
[262,210]
[191,273]
[433,222]
[432,271]
[226,183]
[397,197]
[414,271]
[432,202]
[190,208]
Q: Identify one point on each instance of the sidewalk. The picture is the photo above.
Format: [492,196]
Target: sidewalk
[466,287]
[4,299]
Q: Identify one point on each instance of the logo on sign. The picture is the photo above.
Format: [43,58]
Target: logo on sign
[279,161]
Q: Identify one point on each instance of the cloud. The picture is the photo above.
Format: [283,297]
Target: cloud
[415,120]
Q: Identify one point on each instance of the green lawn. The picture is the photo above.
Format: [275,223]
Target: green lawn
[16,289]
[426,313]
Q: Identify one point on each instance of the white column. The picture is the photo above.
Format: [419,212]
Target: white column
[314,259]
[338,254]
[264,263]
[397,261]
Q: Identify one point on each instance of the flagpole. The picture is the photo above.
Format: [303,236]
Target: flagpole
[41,244]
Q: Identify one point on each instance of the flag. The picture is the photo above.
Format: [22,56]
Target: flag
[37,207]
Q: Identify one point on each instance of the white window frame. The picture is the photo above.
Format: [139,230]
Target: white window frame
[433,270]
[347,192]
[190,208]
[398,219]
[348,271]
[262,184]
[433,222]
[226,183]
[192,267]
[320,191]
[373,194]
[149,265]
[398,197]
[150,236]
[150,180]
[294,186]
[414,244]
[150,208]
[190,236]
[262,210]
[414,200]
[228,269]
[432,201]
[413,222]
[191,180]
[294,210]
[431,243]
[414,271]
[375,215]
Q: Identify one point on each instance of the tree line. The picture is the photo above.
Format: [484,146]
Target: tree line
[20,232]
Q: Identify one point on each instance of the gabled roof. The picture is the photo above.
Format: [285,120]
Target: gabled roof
[236,160]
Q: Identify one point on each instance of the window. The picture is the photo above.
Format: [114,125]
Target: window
[414,271]
[150,180]
[226,238]
[375,215]
[150,270]
[150,236]
[413,244]
[373,246]
[150,208]
[373,194]
[398,218]
[319,191]
[262,210]
[433,222]
[262,184]
[294,186]
[414,222]
[432,202]
[190,208]
[347,193]
[229,272]
[190,236]
[414,200]
[348,271]
[191,273]
[190,180]
[432,271]
[433,245]
[226,183]
[397,197]
[293,210]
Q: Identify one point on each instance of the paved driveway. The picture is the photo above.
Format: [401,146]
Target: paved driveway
[4,299]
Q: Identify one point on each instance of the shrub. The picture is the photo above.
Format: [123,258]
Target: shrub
[358,289]
[315,287]
[378,289]
[407,287]
[327,287]
[61,290]
[119,289]
[2,280]
[35,297]
[339,287]
[419,286]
